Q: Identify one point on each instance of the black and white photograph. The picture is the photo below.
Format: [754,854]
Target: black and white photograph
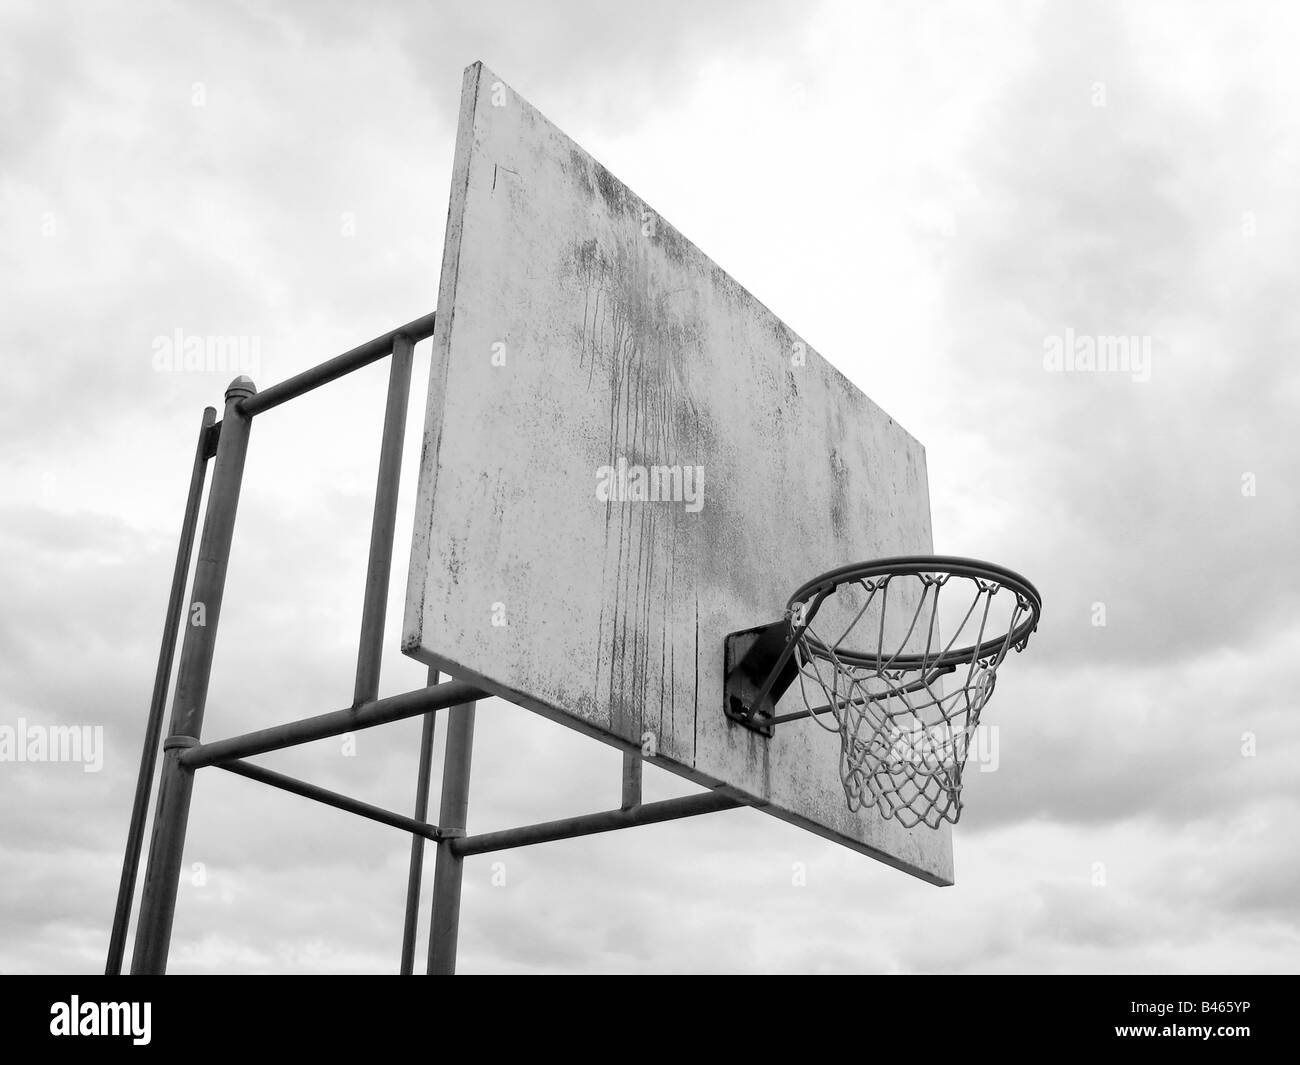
[575,488]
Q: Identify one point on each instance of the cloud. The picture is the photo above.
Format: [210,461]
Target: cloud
[932,194]
[1111,198]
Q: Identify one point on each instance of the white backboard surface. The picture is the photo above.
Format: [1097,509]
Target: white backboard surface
[580,339]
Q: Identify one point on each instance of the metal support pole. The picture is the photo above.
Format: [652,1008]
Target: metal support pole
[158,702]
[444,924]
[162,875]
[411,925]
[380,712]
[325,372]
[631,780]
[419,828]
[588,824]
[370,649]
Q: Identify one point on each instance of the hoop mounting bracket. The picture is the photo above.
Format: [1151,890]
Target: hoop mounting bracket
[758,668]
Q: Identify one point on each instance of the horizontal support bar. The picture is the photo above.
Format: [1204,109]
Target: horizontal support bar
[364,355]
[380,712]
[586,825]
[333,798]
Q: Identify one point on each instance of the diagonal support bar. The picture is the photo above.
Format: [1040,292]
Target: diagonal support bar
[333,798]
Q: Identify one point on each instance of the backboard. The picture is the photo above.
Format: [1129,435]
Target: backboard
[627,457]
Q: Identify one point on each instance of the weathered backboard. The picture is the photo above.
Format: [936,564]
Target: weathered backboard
[580,342]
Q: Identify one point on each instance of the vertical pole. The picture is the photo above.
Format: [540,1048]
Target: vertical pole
[631,780]
[162,875]
[414,874]
[371,647]
[158,703]
[445,922]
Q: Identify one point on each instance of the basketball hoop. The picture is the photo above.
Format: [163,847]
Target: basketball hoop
[903,740]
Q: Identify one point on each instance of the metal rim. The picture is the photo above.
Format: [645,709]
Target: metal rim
[823,585]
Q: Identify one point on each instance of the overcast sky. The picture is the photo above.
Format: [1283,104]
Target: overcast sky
[929,194]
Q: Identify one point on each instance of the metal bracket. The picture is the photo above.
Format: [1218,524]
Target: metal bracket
[758,668]
[210,437]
